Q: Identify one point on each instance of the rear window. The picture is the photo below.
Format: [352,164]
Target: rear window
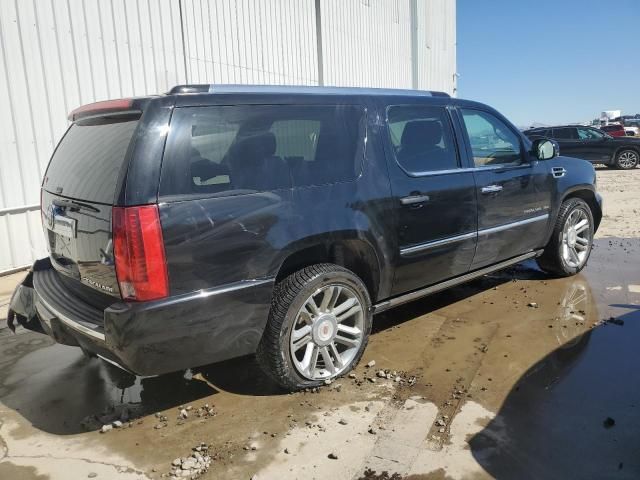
[227,150]
[87,162]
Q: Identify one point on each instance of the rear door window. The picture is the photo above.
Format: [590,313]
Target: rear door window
[422,138]
[88,159]
[227,150]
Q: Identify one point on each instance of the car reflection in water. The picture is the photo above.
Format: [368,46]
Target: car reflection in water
[553,423]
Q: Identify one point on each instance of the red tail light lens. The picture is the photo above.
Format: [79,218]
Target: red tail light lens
[139,253]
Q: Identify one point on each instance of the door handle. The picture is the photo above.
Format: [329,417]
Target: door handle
[491,189]
[414,199]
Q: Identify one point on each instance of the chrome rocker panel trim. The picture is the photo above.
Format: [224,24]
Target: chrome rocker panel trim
[408,297]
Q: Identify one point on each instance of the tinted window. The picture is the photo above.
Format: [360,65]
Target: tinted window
[88,159]
[537,133]
[422,138]
[589,134]
[243,148]
[566,133]
[492,141]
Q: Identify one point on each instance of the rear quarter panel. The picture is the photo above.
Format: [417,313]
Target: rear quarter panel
[220,240]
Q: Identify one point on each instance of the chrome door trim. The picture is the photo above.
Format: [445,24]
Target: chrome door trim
[408,297]
[431,173]
[507,226]
[404,252]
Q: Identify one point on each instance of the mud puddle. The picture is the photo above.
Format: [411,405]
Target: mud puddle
[514,376]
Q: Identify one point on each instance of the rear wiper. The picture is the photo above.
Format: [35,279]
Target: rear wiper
[74,205]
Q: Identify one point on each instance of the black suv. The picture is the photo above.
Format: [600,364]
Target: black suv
[592,144]
[214,222]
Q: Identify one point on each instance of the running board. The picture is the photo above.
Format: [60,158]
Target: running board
[409,297]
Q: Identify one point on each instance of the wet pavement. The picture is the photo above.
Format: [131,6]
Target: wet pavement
[516,375]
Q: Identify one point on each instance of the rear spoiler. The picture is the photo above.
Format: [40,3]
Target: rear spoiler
[120,105]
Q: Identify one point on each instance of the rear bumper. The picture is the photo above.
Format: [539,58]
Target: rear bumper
[156,337]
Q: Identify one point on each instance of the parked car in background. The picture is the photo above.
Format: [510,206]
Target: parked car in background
[592,144]
[219,221]
[614,129]
[632,131]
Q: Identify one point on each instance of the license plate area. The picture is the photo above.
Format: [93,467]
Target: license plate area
[63,246]
[64,226]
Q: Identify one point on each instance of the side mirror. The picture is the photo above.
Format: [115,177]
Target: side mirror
[545,149]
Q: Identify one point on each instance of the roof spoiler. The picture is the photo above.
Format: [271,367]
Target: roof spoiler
[107,106]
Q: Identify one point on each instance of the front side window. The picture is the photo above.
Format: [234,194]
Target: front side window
[589,134]
[565,133]
[422,138]
[247,148]
[492,142]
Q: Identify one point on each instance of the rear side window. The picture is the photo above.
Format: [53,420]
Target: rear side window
[565,133]
[247,148]
[88,160]
[422,138]
[539,133]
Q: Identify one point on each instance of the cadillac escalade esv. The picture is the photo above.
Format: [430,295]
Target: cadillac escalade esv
[219,221]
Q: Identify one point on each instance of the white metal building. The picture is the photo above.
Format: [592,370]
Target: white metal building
[57,55]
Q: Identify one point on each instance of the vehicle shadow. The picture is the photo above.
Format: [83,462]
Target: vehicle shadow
[574,414]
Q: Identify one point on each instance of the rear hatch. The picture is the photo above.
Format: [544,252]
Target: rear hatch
[78,194]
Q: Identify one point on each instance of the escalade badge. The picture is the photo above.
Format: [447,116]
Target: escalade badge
[95,284]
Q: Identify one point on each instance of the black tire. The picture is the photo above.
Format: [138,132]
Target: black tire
[552,260]
[627,159]
[289,296]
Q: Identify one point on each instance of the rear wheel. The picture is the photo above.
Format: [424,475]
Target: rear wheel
[570,245]
[627,159]
[318,326]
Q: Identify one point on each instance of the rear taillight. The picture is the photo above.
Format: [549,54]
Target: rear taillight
[138,249]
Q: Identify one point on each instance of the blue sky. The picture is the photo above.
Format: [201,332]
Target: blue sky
[550,61]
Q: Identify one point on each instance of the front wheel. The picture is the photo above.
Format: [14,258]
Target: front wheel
[570,245]
[318,326]
[627,159]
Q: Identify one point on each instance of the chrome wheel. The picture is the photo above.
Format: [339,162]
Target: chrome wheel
[627,159]
[576,239]
[327,333]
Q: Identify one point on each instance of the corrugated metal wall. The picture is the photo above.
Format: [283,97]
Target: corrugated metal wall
[247,41]
[59,54]
[374,51]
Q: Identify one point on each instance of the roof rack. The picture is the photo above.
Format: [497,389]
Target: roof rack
[301,89]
